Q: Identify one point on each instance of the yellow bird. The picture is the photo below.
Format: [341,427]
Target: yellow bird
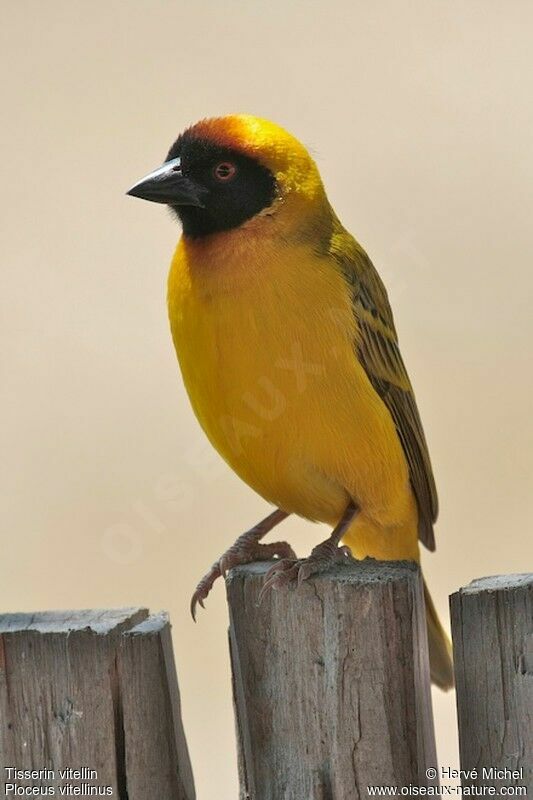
[289,353]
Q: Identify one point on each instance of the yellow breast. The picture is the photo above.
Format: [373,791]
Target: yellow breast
[267,340]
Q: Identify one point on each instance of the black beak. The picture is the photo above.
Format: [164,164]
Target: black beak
[168,185]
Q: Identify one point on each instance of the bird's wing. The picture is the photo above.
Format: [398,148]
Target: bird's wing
[380,355]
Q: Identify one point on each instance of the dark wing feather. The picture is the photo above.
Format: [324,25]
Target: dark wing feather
[380,355]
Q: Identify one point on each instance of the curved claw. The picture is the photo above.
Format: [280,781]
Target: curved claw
[288,569]
[192,606]
[305,572]
[280,574]
[239,554]
[281,567]
[203,589]
[196,599]
[223,566]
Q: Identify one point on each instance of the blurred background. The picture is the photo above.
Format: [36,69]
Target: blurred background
[420,114]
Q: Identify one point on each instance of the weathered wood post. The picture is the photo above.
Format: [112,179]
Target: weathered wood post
[90,699]
[331,683]
[492,625]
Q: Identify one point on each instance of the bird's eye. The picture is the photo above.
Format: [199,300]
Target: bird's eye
[225,171]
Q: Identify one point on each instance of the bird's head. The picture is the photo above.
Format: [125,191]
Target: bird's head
[224,172]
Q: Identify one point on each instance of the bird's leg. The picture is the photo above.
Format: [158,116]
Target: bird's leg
[322,556]
[245,549]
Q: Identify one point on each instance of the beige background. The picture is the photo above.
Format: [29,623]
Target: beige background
[420,115]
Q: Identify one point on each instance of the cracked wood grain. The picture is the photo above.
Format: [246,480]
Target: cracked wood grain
[94,689]
[492,625]
[157,758]
[331,683]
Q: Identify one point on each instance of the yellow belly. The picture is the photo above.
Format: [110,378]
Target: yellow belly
[267,348]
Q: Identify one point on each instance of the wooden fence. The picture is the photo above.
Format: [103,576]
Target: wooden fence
[330,682]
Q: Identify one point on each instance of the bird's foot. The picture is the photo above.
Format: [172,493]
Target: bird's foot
[245,550]
[287,570]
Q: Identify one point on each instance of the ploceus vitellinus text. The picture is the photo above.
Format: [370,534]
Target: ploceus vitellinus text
[289,353]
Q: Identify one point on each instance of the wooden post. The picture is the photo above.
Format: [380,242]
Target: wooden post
[90,699]
[492,625]
[331,682]
[157,761]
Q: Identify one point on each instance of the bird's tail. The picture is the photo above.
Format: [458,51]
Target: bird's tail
[440,647]
[365,538]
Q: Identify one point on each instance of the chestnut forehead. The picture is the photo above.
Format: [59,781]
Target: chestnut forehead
[200,151]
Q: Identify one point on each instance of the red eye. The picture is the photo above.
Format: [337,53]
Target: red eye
[224,171]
